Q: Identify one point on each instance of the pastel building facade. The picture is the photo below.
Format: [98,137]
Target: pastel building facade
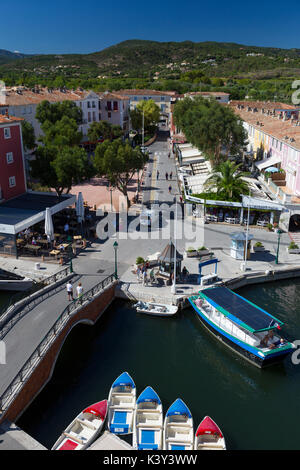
[12,165]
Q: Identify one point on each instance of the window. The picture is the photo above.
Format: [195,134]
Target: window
[12,181]
[93,104]
[88,104]
[6,133]
[109,105]
[109,115]
[162,98]
[115,105]
[89,117]
[9,157]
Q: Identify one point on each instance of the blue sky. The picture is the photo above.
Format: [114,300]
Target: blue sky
[86,26]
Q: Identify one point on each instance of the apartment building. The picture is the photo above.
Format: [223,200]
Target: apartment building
[274,135]
[163,99]
[12,165]
[114,108]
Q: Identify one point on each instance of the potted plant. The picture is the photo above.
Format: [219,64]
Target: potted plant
[293,248]
[191,252]
[203,251]
[270,227]
[258,247]
[139,261]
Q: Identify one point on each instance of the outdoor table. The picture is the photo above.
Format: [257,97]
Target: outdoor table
[43,242]
[34,248]
[54,253]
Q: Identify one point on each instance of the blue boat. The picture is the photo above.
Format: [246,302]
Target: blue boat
[244,327]
[178,427]
[148,421]
[121,405]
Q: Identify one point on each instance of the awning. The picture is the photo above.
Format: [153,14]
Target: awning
[240,310]
[268,162]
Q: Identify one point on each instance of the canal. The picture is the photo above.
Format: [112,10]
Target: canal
[256,409]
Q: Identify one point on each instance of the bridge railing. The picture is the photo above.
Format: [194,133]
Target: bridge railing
[24,374]
[20,305]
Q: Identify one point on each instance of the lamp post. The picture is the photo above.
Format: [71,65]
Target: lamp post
[279,232]
[115,245]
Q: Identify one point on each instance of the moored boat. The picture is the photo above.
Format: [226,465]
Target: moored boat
[152,308]
[121,405]
[83,429]
[209,436]
[148,421]
[178,427]
[244,327]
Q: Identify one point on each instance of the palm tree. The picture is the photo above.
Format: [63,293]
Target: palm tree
[226,179]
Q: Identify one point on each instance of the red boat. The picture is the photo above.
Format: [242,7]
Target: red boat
[84,428]
[209,436]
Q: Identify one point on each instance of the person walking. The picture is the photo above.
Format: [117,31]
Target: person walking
[170,189]
[70,290]
[167,176]
[79,290]
[171,174]
[138,273]
[145,278]
[169,155]
[157,175]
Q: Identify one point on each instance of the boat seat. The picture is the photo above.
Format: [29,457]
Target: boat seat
[76,439]
[86,423]
[211,444]
[147,410]
[121,394]
[178,425]
[150,425]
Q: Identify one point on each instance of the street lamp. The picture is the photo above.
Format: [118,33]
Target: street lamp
[279,232]
[115,245]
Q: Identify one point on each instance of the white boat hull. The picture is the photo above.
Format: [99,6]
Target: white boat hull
[158,310]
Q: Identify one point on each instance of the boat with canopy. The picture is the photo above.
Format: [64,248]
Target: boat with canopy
[243,326]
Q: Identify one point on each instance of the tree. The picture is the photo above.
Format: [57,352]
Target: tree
[54,112]
[28,135]
[151,115]
[60,162]
[61,168]
[104,130]
[212,128]
[227,180]
[118,162]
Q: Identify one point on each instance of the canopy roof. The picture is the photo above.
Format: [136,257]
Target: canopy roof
[148,395]
[208,426]
[123,379]
[261,165]
[167,255]
[98,409]
[240,310]
[179,408]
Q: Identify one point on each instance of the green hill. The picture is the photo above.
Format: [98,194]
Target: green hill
[142,58]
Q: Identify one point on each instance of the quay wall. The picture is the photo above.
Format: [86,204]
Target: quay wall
[260,277]
[41,375]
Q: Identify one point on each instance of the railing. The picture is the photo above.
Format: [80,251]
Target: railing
[33,297]
[24,374]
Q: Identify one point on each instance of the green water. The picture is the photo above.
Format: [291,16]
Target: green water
[256,409]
